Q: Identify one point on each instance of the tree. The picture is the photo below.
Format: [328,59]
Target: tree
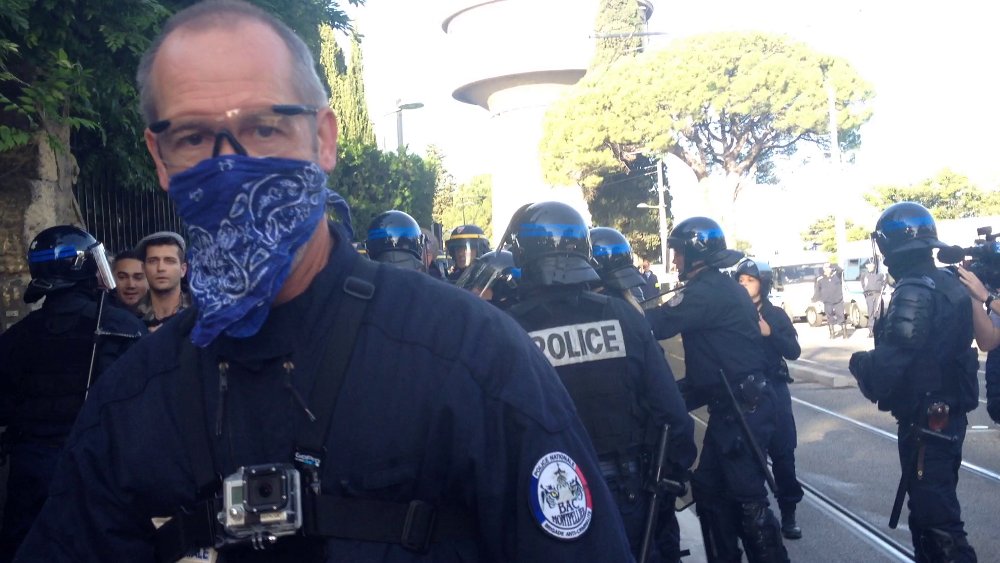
[822,233]
[373,181]
[948,195]
[613,204]
[617,30]
[726,103]
[347,88]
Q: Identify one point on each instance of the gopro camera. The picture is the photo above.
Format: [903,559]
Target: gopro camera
[262,503]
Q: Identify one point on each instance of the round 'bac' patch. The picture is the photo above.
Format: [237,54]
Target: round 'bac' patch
[560,498]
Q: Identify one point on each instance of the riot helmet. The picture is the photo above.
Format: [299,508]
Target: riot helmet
[551,245]
[613,259]
[757,269]
[64,256]
[493,277]
[395,238]
[701,239]
[465,244]
[905,226]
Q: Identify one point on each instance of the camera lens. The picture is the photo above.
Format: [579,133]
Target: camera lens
[264,490]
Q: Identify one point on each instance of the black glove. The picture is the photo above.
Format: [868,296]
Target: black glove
[693,398]
[860,366]
[993,408]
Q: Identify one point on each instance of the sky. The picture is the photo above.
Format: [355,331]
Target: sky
[932,65]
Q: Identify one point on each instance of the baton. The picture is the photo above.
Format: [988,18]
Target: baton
[93,351]
[757,455]
[667,292]
[654,495]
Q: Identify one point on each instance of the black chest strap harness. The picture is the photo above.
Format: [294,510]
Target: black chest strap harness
[414,525]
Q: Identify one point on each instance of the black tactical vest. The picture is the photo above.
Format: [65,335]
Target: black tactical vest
[588,344]
[52,360]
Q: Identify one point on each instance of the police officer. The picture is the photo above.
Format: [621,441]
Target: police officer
[465,243]
[781,343]
[394,237]
[606,357]
[829,290]
[721,334]
[47,360]
[923,370]
[492,277]
[872,283]
[331,408]
[613,262]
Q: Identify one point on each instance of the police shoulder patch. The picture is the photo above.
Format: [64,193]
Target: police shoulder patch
[559,497]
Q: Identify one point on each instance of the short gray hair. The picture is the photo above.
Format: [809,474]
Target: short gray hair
[227,13]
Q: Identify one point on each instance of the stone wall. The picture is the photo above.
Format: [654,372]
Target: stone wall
[36,192]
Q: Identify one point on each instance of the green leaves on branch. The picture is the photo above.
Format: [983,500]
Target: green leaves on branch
[722,103]
[373,181]
[823,233]
[948,195]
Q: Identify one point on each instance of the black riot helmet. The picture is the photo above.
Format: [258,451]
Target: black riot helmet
[756,269]
[470,238]
[395,238]
[905,226]
[551,245]
[613,259]
[64,256]
[492,276]
[701,239]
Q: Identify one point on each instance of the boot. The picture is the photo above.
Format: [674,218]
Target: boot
[832,335]
[789,528]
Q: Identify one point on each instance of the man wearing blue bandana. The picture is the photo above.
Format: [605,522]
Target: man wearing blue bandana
[312,406]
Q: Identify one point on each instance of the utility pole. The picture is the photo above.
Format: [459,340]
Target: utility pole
[662,210]
[836,176]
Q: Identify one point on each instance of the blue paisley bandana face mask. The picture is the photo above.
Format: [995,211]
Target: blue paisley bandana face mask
[246,217]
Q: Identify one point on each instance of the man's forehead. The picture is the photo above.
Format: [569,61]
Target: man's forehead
[162,249]
[216,67]
[123,264]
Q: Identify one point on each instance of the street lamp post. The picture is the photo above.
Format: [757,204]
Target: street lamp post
[662,212]
[400,107]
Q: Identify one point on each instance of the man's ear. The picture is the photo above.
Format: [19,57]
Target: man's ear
[154,151]
[326,130]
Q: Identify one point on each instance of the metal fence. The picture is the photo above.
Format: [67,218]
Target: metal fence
[120,217]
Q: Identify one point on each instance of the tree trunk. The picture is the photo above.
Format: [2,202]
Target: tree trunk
[36,192]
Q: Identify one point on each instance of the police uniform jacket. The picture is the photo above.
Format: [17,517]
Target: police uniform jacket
[783,342]
[615,371]
[45,360]
[923,347]
[829,289]
[445,400]
[718,324]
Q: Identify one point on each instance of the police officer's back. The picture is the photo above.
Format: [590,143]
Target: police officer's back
[45,365]
[924,371]
[606,357]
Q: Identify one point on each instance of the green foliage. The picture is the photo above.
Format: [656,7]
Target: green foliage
[461,204]
[617,27]
[347,88]
[613,204]
[722,103]
[73,62]
[948,195]
[373,181]
[823,233]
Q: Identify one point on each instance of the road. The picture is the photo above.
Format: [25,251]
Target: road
[847,460]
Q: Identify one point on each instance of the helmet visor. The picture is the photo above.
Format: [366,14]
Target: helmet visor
[104,274]
[479,277]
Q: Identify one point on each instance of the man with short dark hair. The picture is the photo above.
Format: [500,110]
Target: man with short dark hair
[401,418]
[130,278]
[164,264]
